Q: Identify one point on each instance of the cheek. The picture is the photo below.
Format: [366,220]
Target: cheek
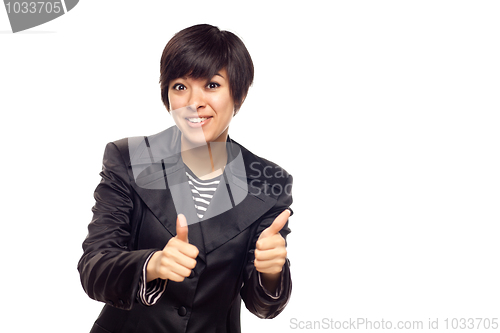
[176,102]
[223,105]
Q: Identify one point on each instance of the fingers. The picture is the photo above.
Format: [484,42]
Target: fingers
[175,262]
[175,266]
[278,224]
[179,256]
[271,242]
[270,248]
[270,261]
[269,266]
[176,247]
[270,254]
[182,228]
[263,255]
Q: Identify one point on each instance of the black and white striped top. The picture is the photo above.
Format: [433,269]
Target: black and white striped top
[202,191]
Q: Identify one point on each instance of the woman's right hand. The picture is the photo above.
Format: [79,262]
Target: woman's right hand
[177,259]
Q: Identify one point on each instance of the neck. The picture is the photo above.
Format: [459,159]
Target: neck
[206,161]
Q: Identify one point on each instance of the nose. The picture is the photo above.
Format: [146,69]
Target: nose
[197,99]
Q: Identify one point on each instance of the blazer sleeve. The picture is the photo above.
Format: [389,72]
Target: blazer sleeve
[109,271]
[257,300]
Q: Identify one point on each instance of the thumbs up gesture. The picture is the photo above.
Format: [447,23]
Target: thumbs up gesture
[270,250]
[177,259]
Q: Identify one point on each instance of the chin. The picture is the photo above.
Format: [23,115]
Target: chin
[196,139]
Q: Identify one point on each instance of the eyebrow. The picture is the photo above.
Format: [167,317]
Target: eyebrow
[186,77]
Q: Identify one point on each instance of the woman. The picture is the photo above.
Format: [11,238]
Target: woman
[187,222]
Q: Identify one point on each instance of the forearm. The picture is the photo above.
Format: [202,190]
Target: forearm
[258,300]
[113,277]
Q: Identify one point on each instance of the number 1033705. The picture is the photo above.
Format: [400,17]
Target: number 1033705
[471,323]
[33,7]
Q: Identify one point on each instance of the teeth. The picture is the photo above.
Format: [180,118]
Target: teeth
[197,120]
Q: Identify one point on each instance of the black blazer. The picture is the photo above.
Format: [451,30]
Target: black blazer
[135,214]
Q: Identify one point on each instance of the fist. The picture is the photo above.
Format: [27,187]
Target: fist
[177,259]
[270,249]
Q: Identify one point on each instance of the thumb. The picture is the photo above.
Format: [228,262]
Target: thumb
[278,224]
[182,228]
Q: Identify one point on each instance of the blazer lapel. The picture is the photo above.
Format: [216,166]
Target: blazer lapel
[221,228]
[175,199]
[181,196]
[160,180]
[235,204]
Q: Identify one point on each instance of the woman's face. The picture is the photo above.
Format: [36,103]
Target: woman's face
[202,109]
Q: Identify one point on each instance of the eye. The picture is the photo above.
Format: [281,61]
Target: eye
[213,85]
[179,86]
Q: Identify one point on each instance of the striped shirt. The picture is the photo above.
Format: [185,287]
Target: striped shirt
[202,191]
[149,293]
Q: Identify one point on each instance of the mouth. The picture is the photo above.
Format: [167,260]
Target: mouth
[197,121]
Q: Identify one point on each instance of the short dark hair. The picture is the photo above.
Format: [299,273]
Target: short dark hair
[201,51]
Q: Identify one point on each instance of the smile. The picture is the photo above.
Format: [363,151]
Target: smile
[197,121]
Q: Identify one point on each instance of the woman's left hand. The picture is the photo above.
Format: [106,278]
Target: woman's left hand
[270,249]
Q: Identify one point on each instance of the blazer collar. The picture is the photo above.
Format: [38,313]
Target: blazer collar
[160,179]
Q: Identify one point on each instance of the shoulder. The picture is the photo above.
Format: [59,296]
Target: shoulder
[130,146]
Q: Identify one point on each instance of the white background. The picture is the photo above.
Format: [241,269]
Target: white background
[385,112]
